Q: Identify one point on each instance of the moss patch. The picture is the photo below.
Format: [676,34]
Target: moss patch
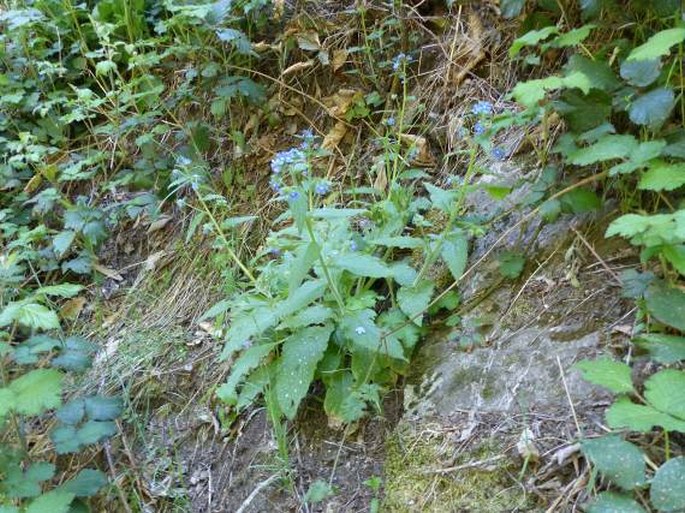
[412,486]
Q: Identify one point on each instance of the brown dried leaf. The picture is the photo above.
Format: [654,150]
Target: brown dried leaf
[339,59]
[308,41]
[423,155]
[110,273]
[298,66]
[335,135]
[339,103]
[72,308]
[158,224]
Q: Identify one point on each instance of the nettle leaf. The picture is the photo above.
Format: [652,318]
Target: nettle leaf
[667,490]
[597,72]
[237,39]
[611,502]
[662,176]
[654,230]
[581,200]
[301,352]
[37,391]
[664,391]
[641,73]
[511,264]
[663,348]
[634,283]
[658,45]
[414,300]
[95,431]
[609,147]
[619,461]
[72,413]
[361,264]
[571,38]
[245,363]
[653,108]
[56,501]
[62,242]
[666,304]
[318,491]
[531,92]
[86,483]
[455,252]
[531,38]
[626,414]
[612,375]
[583,112]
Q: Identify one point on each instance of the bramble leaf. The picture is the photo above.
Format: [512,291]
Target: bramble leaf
[620,461]
[612,375]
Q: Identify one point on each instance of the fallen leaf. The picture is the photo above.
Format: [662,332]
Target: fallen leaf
[526,446]
[339,103]
[110,273]
[72,308]
[339,59]
[33,183]
[422,155]
[336,134]
[152,260]
[308,41]
[298,66]
[158,224]
[381,181]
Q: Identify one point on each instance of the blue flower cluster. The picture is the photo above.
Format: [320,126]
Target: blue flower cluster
[322,188]
[399,59]
[293,159]
[499,153]
[478,128]
[482,108]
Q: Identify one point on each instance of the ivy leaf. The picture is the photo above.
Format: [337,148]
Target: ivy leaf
[663,348]
[667,490]
[626,414]
[414,300]
[641,73]
[37,391]
[612,375]
[611,502]
[455,252]
[360,264]
[301,352]
[662,176]
[664,390]
[653,108]
[666,304]
[619,461]
[86,483]
[56,501]
[658,45]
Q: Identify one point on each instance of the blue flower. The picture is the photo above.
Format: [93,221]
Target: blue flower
[400,59]
[482,108]
[353,246]
[390,121]
[308,139]
[183,161]
[275,252]
[275,186]
[478,128]
[294,195]
[499,153]
[322,188]
[360,330]
[293,159]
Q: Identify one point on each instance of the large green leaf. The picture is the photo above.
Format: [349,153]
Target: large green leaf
[641,73]
[304,260]
[37,391]
[667,491]
[359,329]
[60,290]
[653,108]
[245,363]
[619,461]
[19,483]
[658,45]
[663,348]
[247,325]
[56,501]
[103,408]
[531,38]
[666,304]
[607,373]
[341,404]
[361,264]
[86,483]
[301,297]
[654,230]
[610,502]
[301,352]
[414,300]
[596,71]
[662,176]
[640,156]
[93,431]
[440,198]
[665,391]
[455,252]
[609,147]
[626,414]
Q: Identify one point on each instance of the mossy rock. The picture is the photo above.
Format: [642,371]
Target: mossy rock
[413,485]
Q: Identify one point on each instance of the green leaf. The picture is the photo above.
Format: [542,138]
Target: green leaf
[611,502]
[662,176]
[403,273]
[60,290]
[318,491]
[398,242]
[640,157]
[247,325]
[414,300]
[572,37]
[641,73]
[65,439]
[619,461]
[62,242]
[531,38]
[654,230]
[597,72]
[653,108]
[341,404]
[7,402]
[301,297]
[455,252]
[612,375]
[440,198]
[94,431]
[675,254]
[609,147]
[663,348]
[31,315]
[72,413]
[56,501]
[245,363]
[667,491]
[302,264]
[359,329]
[105,67]
[86,483]
[511,8]
[658,45]
[37,391]
[626,414]
[531,92]
[103,408]
[511,264]
[301,352]
[581,200]
[361,264]
[19,483]
[315,314]
[237,39]
[666,304]
[664,391]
